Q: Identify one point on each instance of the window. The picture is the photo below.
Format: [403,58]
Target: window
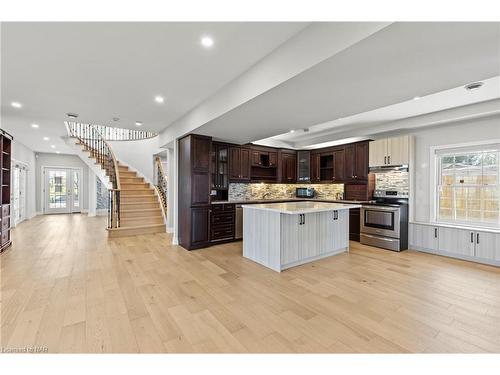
[468,186]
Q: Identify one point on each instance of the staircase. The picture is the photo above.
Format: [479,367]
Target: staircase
[140,211]
[134,206]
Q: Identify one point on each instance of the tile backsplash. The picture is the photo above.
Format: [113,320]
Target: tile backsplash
[244,191]
[392,180]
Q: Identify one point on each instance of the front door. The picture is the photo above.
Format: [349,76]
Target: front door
[62,190]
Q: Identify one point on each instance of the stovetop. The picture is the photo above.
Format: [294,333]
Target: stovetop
[391,202]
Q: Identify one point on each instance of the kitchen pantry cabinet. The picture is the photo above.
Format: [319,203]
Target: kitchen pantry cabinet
[239,164]
[194,191]
[481,246]
[390,152]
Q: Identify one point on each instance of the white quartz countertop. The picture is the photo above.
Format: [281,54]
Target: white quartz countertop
[295,208]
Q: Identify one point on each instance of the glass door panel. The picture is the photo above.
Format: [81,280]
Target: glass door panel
[62,190]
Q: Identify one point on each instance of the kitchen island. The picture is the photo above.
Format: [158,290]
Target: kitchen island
[284,235]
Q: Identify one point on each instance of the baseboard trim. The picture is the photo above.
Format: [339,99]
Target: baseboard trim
[468,258]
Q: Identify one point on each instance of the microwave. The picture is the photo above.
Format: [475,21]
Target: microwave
[303,192]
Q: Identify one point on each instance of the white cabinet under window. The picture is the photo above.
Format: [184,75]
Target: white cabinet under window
[477,245]
[390,151]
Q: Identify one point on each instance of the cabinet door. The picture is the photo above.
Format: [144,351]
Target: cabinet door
[245,164]
[255,158]
[315,167]
[200,188]
[290,228]
[398,153]
[338,165]
[424,237]
[350,159]
[456,241]
[303,165]
[487,245]
[273,159]
[200,226]
[361,161]
[200,148]
[288,168]
[378,153]
[341,229]
[308,236]
[235,163]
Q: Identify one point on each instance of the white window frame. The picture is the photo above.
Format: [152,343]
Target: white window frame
[434,178]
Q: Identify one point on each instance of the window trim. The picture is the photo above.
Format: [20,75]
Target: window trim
[434,178]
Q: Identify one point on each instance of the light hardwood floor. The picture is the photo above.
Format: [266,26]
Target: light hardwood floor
[66,286]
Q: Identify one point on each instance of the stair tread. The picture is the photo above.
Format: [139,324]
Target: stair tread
[144,209]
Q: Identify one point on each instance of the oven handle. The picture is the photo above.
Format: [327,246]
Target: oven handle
[380,208]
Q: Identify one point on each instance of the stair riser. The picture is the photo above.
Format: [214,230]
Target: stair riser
[137,192]
[136,231]
[132,215]
[145,199]
[131,180]
[138,186]
[140,221]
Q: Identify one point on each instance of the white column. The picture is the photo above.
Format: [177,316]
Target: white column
[172,225]
[92,188]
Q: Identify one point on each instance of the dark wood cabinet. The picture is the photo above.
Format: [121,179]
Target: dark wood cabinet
[200,226]
[338,165]
[239,164]
[288,167]
[264,164]
[356,162]
[273,159]
[5,182]
[222,222]
[303,166]
[220,166]
[315,167]
[194,191]
[354,224]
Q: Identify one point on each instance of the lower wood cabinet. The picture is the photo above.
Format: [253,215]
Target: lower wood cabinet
[200,230]
[222,222]
[475,245]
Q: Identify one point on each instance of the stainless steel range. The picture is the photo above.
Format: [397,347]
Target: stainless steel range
[384,221]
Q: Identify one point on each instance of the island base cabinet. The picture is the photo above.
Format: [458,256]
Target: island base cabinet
[315,235]
[487,246]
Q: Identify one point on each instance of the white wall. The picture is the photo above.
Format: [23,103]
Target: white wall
[61,160]
[27,156]
[138,155]
[454,133]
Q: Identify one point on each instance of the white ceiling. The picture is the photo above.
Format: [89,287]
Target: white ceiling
[106,70]
[391,66]
[319,135]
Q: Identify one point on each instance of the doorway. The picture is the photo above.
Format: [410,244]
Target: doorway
[62,190]
[19,178]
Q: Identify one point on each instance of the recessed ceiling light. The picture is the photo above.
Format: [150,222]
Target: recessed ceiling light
[58,152]
[138,123]
[207,41]
[474,85]
[416,97]
[35,126]
[116,119]
[292,131]
[46,138]
[52,146]
[159,99]
[340,118]
[16,104]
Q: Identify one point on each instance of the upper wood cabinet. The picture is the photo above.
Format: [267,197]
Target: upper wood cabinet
[338,165]
[303,166]
[288,167]
[220,166]
[239,164]
[315,167]
[356,162]
[200,153]
[390,151]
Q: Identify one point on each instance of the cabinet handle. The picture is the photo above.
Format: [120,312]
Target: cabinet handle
[335,215]
[477,238]
[389,159]
[385,159]
[304,219]
[472,237]
[435,233]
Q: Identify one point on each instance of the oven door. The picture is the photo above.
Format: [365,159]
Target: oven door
[380,220]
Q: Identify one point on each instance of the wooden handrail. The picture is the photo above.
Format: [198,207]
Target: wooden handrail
[115,163]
